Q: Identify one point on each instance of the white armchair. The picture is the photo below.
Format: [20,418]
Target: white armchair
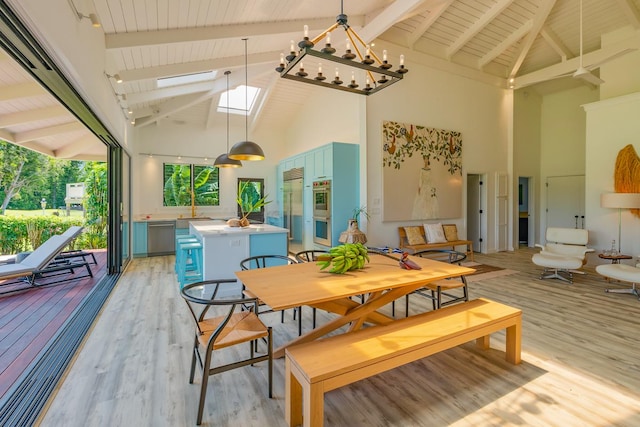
[563,254]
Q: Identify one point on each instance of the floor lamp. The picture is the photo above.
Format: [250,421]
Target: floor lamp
[620,201]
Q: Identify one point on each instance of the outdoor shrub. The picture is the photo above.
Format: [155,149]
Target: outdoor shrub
[24,233]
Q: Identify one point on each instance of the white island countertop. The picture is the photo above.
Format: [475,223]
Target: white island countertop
[212,228]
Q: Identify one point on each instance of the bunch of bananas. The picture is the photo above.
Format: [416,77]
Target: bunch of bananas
[342,258]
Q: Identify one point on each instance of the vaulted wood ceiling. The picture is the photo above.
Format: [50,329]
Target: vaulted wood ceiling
[529,40]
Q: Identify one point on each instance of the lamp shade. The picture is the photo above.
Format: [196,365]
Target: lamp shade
[223,161]
[620,200]
[246,150]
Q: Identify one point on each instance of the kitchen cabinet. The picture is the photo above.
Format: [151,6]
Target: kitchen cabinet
[139,239]
[223,247]
[338,162]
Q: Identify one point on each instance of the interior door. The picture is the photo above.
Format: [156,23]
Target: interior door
[474,211]
[565,201]
[502,212]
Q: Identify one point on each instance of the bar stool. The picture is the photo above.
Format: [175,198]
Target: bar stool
[190,264]
[179,240]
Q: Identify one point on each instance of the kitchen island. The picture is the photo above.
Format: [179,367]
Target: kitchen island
[223,247]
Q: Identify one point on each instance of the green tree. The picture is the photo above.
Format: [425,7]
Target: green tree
[23,174]
[95,204]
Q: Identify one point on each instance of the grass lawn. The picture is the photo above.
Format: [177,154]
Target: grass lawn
[38,212]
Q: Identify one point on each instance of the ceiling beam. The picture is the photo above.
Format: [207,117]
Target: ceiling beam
[76,147]
[31,135]
[229,62]
[538,22]
[590,60]
[20,90]
[7,136]
[504,45]
[436,11]
[391,15]
[556,44]
[178,104]
[478,26]
[631,12]
[22,117]
[219,32]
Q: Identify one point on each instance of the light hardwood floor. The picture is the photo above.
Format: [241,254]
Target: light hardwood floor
[581,364]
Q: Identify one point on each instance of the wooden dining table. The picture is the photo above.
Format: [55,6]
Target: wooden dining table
[381,281]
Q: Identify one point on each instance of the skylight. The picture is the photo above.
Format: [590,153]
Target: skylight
[236,99]
[186,79]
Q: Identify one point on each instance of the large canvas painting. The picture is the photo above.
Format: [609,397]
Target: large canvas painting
[422,172]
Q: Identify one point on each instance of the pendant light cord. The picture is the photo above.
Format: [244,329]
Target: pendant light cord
[246,90]
[227,74]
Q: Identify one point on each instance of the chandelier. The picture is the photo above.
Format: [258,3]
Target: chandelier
[365,73]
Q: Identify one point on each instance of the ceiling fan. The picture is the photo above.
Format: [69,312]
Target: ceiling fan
[582,72]
[585,72]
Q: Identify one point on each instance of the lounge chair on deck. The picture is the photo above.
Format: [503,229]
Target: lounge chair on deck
[43,262]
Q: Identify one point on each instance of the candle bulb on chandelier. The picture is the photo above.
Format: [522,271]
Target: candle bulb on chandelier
[337,80]
[402,60]
[306,31]
[384,55]
[328,38]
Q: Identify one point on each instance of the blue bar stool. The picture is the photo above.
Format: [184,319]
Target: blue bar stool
[190,264]
[179,240]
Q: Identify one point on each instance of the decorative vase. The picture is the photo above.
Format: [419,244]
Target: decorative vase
[353,233]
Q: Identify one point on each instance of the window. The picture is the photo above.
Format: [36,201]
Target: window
[180,179]
[236,100]
[186,79]
[253,192]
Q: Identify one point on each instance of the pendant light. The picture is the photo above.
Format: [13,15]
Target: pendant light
[246,150]
[223,160]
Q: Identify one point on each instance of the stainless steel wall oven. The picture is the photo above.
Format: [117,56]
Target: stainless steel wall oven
[322,212]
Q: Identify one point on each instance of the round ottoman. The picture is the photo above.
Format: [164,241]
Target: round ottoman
[623,272]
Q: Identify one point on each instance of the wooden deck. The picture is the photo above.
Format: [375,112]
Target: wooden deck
[31,316]
[579,363]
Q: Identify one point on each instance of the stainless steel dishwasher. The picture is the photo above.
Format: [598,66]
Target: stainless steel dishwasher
[161,237]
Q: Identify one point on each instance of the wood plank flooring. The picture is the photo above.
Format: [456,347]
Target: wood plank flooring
[31,316]
[581,360]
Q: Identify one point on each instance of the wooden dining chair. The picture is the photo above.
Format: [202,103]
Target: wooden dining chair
[265,261]
[310,255]
[230,325]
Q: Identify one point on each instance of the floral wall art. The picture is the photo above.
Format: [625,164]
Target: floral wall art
[421,171]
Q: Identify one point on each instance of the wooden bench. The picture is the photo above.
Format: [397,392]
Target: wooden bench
[405,246]
[315,368]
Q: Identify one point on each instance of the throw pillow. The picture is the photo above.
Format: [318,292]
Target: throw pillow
[450,232]
[414,236]
[435,233]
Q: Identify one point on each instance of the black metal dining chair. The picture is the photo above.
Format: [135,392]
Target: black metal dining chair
[435,291]
[265,261]
[229,326]
[310,255]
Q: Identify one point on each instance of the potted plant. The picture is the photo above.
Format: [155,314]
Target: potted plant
[249,201]
[353,233]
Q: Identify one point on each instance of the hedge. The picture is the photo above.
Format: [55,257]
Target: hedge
[18,233]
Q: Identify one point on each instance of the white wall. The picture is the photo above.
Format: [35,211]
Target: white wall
[526,155]
[611,125]
[172,139]
[443,100]
[563,135]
